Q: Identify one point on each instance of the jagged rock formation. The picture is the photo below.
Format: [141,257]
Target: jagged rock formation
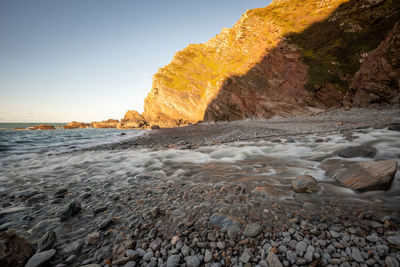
[132,119]
[76,125]
[110,123]
[292,57]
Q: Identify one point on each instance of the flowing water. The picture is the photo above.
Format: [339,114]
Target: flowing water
[30,157]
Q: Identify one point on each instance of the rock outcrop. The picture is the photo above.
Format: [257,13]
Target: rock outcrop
[378,79]
[110,123]
[132,119]
[76,125]
[290,58]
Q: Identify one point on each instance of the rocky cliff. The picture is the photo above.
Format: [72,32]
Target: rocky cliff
[292,57]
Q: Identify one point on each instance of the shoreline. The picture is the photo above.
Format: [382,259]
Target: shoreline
[251,218]
[194,136]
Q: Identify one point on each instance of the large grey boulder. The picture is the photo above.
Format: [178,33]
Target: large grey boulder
[362,176]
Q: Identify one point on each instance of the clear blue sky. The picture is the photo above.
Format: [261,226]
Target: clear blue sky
[91,60]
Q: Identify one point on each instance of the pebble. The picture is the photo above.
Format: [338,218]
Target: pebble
[334,234]
[174,240]
[47,241]
[148,256]
[301,247]
[391,262]
[252,230]
[40,258]
[173,261]
[309,253]
[394,239]
[356,255]
[93,238]
[245,257]
[70,210]
[373,238]
[273,260]
[221,245]
[192,261]
[207,256]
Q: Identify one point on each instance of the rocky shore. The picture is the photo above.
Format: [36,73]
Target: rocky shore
[215,214]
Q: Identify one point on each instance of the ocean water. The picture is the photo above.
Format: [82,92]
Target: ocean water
[12,125]
[50,142]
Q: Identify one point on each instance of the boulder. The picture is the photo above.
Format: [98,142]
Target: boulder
[305,184]
[363,151]
[132,119]
[362,176]
[14,251]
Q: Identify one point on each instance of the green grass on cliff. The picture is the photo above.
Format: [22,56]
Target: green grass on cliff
[333,48]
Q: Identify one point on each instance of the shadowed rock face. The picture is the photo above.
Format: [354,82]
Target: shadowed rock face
[290,58]
[378,80]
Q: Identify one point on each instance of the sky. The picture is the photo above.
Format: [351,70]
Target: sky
[91,60]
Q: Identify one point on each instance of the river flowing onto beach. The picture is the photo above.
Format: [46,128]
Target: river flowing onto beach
[127,189]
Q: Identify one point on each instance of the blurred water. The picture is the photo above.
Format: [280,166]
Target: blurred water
[31,157]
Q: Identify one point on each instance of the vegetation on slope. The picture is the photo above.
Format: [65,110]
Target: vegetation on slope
[333,48]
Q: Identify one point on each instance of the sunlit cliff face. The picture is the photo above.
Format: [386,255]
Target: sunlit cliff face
[283,59]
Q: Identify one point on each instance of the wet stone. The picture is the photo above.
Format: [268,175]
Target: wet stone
[252,230]
[356,255]
[35,199]
[40,258]
[245,257]
[47,241]
[273,260]
[173,261]
[192,261]
[73,208]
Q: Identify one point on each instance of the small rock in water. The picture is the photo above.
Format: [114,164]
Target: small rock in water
[34,199]
[305,184]
[61,193]
[47,241]
[70,210]
[93,238]
[100,209]
[40,258]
